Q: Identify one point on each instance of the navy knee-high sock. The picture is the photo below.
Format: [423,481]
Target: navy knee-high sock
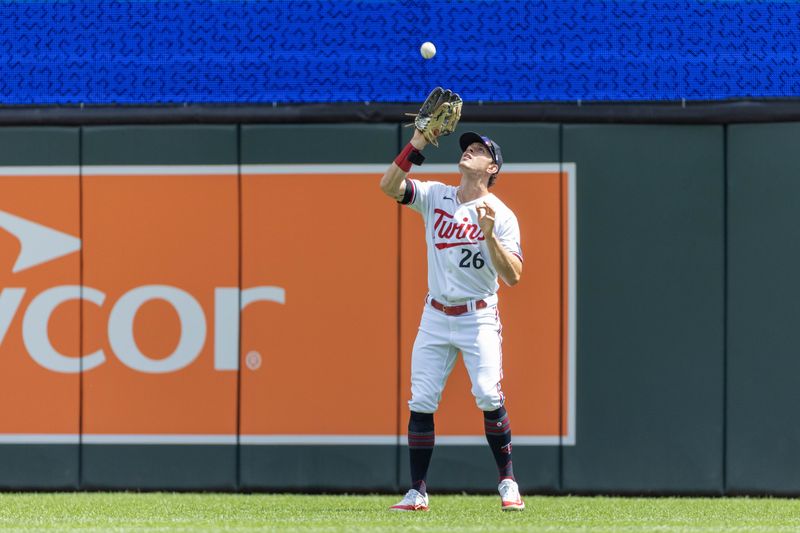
[420,448]
[498,434]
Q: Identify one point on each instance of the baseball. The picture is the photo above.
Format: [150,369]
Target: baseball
[427,50]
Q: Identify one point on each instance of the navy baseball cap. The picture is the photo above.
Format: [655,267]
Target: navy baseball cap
[494,148]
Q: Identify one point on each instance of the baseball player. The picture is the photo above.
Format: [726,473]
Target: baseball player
[472,238]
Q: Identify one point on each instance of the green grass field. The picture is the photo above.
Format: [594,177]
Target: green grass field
[235,512]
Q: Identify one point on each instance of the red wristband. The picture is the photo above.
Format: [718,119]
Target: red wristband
[402,158]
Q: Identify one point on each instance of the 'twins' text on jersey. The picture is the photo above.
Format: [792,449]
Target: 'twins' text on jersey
[459,265]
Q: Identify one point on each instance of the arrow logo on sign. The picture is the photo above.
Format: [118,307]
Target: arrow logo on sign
[38,244]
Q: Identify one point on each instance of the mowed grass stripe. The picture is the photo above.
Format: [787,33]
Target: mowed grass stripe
[170,512]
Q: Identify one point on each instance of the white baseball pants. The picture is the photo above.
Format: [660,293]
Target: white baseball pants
[477,335]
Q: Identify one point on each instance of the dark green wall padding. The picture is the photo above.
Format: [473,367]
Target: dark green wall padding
[763,395]
[32,146]
[160,145]
[687,314]
[650,309]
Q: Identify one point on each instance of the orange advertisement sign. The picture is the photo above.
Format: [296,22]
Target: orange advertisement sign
[161,245]
[257,305]
[326,236]
[353,267]
[39,340]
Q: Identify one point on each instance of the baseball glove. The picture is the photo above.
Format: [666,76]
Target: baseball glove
[438,115]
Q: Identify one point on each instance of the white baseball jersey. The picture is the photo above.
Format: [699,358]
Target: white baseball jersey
[459,265]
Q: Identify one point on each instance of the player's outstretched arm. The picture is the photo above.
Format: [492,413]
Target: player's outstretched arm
[393,182]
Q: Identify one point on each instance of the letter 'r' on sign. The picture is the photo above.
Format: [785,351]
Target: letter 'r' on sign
[226,316]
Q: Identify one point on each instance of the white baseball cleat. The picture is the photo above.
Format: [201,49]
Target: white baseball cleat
[412,501]
[509,495]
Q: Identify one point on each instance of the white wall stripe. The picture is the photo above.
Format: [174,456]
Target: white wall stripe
[443,440]
[158,439]
[19,438]
[319,439]
[381,168]
[117,170]
[318,169]
[159,170]
[271,440]
[572,280]
[475,440]
[40,171]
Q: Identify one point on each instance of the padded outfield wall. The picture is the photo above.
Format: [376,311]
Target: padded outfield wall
[231,307]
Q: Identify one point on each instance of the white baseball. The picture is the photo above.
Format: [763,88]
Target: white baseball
[427,50]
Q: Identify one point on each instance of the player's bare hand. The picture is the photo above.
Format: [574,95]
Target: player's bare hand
[486,219]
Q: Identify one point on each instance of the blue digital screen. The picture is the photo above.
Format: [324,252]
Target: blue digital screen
[153,52]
